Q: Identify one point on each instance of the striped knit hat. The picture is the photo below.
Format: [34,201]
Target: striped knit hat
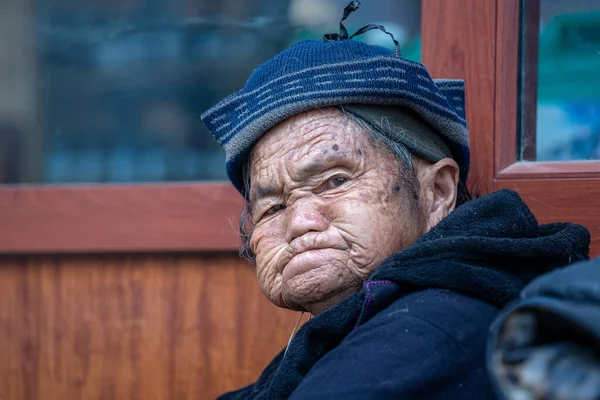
[314,74]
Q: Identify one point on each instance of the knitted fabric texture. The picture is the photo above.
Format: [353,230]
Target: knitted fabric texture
[314,74]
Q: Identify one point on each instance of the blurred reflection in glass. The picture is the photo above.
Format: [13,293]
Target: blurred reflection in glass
[112,90]
[568,98]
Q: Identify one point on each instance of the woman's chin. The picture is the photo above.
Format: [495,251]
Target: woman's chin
[315,290]
[317,304]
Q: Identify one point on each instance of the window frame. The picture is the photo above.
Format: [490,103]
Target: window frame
[161,217]
[455,47]
[468,39]
[555,191]
[508,166]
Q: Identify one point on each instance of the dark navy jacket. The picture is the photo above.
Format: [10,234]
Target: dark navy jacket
[428,344]
[418,327]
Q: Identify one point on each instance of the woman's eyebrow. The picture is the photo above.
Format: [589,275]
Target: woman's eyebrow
[305,170]
[320,164]
[258,192]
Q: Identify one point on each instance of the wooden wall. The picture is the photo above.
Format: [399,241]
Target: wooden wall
[133,327]
[194,326]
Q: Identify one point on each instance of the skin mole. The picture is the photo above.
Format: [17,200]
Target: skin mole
[335,147]
[359,152]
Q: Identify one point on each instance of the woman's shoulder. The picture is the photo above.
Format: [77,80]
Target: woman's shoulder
[429,344]
[461,317]
[454,324]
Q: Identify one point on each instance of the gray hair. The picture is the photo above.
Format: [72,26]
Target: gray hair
[383,141]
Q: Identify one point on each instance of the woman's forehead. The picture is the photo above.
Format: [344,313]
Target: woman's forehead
[308,132]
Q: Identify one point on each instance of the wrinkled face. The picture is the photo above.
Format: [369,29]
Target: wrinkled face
[328,207]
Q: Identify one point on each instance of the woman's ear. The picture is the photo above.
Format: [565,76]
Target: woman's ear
[439,184]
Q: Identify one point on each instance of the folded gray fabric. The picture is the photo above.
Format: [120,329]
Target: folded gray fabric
[547,344]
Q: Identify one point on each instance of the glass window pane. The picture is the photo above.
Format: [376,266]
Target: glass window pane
[112,90]
[567,124]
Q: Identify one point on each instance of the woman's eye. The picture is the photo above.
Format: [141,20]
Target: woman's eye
[337,181]
[275,209]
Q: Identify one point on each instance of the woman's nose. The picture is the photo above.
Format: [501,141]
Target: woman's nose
[304,217]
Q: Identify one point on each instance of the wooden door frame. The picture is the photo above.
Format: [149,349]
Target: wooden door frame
[186,217]
[479,41]
[508,167]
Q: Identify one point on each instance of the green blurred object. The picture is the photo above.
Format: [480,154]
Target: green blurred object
[569,58]
[411,50]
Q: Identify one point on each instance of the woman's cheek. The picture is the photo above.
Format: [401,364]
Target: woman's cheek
[261,249]
[263,238]
[268,246]
[268,255]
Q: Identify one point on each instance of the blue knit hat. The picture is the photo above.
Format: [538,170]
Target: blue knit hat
[314,74]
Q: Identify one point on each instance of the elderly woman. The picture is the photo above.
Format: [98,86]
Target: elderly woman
[353,164]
